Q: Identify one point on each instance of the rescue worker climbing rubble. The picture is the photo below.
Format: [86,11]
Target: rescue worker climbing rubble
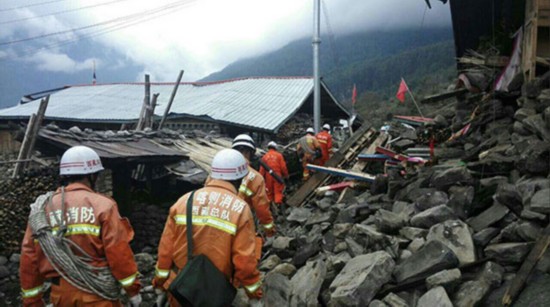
[223,230]
[276,162]
[252,189]
[309,150]
[325,140]
[85,225]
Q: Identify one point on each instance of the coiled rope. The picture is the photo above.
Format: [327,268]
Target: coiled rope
[59,251]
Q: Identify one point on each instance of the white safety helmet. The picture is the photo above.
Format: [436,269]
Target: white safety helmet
[80,160]
[310,130]
[229,164]
[272,144]
[243,140]
[326,127]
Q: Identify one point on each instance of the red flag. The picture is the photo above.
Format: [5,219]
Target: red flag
[353,95]
[403,88]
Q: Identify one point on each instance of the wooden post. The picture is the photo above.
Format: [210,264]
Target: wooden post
[146,103]
[527,267]
[151,121]
[34,133]
[24,146]
[172,96]
[414,100]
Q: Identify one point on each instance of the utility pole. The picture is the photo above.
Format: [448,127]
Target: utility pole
[316,76]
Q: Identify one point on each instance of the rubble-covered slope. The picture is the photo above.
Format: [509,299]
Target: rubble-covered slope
[450,234]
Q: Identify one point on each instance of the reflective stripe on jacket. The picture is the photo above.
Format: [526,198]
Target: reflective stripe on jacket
[223,230]
[252,190]
[95,225]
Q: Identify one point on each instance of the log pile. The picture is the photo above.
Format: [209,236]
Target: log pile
[148,222]
[15,196]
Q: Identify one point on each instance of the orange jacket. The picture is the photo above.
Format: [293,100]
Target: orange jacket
[276,162]
[325,140]
[95,225]
[307,145]
[223,230]
[252,190]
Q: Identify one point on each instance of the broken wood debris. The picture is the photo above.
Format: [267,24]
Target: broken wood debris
[341,172]
[443,96]
[27,147]
[345,154]
[518,283]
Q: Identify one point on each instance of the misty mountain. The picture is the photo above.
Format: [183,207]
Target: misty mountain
[374,61]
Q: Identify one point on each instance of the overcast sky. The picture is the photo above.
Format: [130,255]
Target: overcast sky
[199,36]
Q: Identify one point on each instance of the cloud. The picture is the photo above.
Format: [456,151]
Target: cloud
[207,35]
[214,33]
[60,62]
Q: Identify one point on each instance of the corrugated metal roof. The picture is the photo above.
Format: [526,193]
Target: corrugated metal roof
[116,147]
[262,103]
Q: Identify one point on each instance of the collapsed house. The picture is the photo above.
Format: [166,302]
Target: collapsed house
[259,106]
[451,209]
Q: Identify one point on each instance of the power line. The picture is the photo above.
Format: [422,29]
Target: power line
[61,12]
[114,20]
[330,35]
[110,29]
[30,5]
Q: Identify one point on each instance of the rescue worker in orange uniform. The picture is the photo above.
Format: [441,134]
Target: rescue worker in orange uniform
[274,160]
[93,223]
[325,140]
[223,230]
[252,188]
[309,150]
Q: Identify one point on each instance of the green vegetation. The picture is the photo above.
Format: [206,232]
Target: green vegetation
[374,61]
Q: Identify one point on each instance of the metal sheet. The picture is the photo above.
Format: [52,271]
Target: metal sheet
[263,103]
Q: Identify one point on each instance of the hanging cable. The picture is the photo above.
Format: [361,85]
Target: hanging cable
[75,269]
[107,30]
[110,21]
[330,35]
[61,12]
[29,5]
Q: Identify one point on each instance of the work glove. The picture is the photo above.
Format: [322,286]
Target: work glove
[161,298]
[256,295]
[135,300]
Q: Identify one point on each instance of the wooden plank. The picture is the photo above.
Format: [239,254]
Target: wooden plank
[14,161]
[392,154]
[335,187]
[308,188]
[362,164]
[372,157]
[143,114]
[24,146]
[34,133]
[379,141]
[443,96]
[518,283]
[529,50]
[150,121]
[340,172]
[170,101]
